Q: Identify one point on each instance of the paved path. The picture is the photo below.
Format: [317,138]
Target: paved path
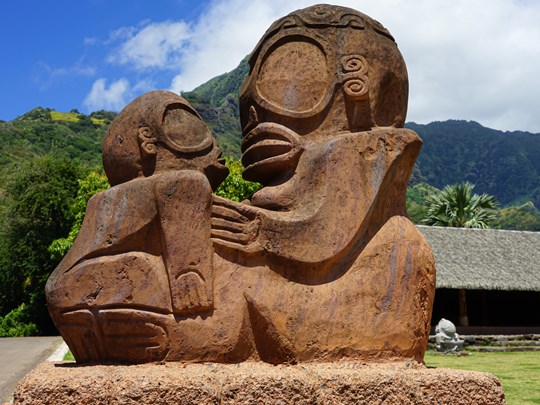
[20,355]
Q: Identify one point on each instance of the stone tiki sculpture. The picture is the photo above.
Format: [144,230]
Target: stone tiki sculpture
[446,338]
[321,264]
[144,249]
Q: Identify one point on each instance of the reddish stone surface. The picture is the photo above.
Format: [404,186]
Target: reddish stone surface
[322,264]
[256,383]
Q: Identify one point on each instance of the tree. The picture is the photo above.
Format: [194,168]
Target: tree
[525,217]
[234,187]
[39,197]
[457,206]
[417,195]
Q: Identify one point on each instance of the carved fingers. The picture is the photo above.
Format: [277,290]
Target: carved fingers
[235,225]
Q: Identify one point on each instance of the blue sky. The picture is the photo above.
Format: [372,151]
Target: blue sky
[467,59]
[54,51]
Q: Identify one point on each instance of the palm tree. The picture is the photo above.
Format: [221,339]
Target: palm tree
[457,206]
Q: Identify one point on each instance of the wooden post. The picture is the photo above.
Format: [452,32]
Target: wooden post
[485,313]
[463,317]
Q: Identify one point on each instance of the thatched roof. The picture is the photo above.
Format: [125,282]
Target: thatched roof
[485,259]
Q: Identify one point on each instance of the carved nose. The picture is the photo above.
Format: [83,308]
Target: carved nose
[253,121]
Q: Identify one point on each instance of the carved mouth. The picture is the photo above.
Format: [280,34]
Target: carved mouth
[268,150]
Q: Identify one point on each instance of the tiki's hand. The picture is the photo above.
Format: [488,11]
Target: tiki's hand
[191,294]
[235,225]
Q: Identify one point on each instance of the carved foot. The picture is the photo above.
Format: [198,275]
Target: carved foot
[125,335]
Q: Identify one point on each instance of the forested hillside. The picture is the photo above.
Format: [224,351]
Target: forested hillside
[44,131]
[504,164]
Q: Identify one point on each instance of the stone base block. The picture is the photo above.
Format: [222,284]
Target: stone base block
[255,383]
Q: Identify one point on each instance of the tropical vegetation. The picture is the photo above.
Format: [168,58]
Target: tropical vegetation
[37,211]
[234,187]
[458,207]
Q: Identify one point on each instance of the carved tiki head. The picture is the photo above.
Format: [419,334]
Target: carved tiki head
[318,72]
[160,131]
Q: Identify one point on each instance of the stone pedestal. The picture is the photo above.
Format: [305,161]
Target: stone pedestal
[256,383]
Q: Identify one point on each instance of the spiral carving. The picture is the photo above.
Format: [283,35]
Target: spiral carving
[357,89]
[147,140]
[354,63]
[355,80]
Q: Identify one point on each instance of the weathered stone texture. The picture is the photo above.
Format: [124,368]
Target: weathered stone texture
[256,383]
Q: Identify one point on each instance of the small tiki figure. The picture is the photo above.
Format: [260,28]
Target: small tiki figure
[144,255]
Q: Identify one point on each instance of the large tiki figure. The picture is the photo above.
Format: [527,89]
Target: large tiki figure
[322,263]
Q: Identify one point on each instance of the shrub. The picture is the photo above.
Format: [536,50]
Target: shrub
[17,323]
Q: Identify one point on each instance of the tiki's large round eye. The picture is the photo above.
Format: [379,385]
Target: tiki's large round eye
[184,131]
[294,77]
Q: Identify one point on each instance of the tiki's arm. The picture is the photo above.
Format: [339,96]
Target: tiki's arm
[184,201]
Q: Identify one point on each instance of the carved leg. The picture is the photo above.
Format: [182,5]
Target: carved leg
[126,280]
[114,308]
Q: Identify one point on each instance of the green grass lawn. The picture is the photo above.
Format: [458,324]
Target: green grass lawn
[69,356]
[518,372]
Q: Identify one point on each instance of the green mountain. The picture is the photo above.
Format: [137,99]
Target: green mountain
[217,102]
[44,131]
[504,164]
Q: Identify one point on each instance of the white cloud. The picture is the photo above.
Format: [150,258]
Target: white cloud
[103,97]
[474,60]
[157,45]
[120,34]
[467,59]
[223,36]
[471,60]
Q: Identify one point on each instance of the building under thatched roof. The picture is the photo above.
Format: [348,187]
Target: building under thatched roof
[485,259]
[486,277]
